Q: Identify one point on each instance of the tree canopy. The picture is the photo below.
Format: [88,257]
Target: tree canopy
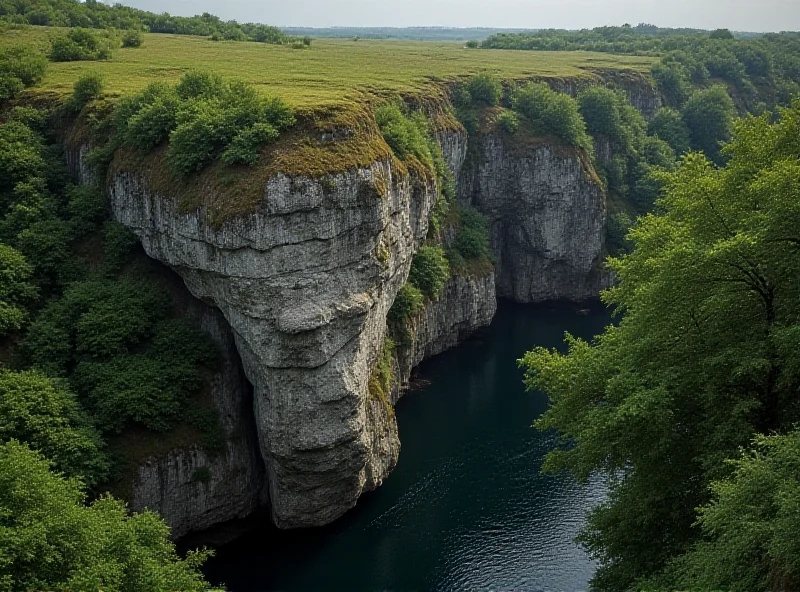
[702,361]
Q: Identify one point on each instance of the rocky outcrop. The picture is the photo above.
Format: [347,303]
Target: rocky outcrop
[547,217]
[467,303]
[305,284]
[194,489]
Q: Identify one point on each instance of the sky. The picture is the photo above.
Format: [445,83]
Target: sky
[740,15]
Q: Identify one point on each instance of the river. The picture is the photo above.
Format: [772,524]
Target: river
[467,507]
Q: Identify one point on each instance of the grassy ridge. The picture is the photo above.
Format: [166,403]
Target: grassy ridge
[334,71]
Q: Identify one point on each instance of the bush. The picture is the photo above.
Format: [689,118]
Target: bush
[508,121]
[20,67]
[132,38]
[307,41]
[409,302]
[407,135]
[673,80]
[472,44]
[552,114]
[204,117]
[485,89]
[87,88]
[78,45]
[429,271]
[601,109]
[52,540]
[43,414]
[472,237]
[618,226]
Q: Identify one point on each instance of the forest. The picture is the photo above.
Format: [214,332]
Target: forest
[688,405]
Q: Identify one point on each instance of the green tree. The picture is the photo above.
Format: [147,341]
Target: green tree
[87,88]
[668,125]
[484,89]
[703,360]
[17,292]
[42,413]
[708,115]
[50,540]
[749,528]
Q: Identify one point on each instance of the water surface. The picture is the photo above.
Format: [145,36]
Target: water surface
[466,508]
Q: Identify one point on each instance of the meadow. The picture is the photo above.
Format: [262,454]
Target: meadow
[332,71]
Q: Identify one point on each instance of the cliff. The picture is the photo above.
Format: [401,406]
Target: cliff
[547,215]
[297,287]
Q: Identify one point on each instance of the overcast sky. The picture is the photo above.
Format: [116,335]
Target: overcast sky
[742,15]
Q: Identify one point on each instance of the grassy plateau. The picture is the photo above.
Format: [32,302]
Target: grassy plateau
[331,72]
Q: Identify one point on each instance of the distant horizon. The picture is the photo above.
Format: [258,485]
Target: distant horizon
[744,16]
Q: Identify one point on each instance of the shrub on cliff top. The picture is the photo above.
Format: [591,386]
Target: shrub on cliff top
[406,134]
[552,114]
[205,117]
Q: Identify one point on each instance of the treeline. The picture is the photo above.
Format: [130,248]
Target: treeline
[91,347]
[763,71]
[690,406]
[98,15]
[411,33]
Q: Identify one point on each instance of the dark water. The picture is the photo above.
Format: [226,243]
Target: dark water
[466,508]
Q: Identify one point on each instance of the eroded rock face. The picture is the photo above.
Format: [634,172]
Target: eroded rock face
[547,219]
[305,284]
[466,304]
[192,489]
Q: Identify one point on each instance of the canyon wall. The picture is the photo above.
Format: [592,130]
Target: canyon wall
[297,292]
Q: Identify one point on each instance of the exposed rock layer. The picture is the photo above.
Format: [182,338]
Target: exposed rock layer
[304,285]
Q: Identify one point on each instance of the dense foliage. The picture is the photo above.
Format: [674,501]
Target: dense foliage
[89,347]
[52,540]
[98,15]
[20,67]
[203,117]
[552,114]
[762,70]
[703,361]
[77,45]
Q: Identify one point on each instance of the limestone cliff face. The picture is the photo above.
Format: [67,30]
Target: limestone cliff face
[466,304]
[192,489]
[299,291]
[547,217]
[305,284]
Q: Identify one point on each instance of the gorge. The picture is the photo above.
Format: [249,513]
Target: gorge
[304,280]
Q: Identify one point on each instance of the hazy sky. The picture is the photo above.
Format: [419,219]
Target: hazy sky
[743,15]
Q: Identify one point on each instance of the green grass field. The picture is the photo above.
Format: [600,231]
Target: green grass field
[332,71]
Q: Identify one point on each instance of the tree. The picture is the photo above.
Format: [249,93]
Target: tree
[485,89]
[16,290]
[703,360]
[51,541]
[668,125]
[44,414]
[87,88]
[708,115]
[750,527]
[721,34]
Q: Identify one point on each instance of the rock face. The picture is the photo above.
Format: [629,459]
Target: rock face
[465,305]
[305,284]
[194,490]
[547,216]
